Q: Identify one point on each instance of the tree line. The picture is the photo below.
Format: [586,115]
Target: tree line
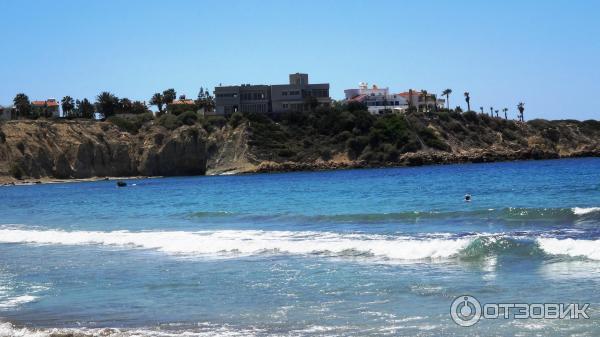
[493,112]
[108,104]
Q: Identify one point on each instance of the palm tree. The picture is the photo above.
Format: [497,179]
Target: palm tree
[22,105]
[468,99]
[107,103]
[492,111]
[67,105]
[521,107]
[481,108]
[496,111]
[158,100]
[505,110]
[424,95]
[85,109]
[169,96]
[447,93]
[410,99]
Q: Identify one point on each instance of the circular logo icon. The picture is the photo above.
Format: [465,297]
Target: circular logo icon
[465,310]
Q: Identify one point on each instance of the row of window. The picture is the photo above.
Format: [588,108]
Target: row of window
[291,93]
[383,103]
[252,96]
[227,95]
[262,108]
[293,106]
[320,93]
[260,95]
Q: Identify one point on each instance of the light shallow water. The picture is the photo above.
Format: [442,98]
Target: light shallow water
[344,253]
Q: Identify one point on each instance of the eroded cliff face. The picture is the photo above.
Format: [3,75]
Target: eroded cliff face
[83,149]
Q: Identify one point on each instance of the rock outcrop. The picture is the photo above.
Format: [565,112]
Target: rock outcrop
[83,149]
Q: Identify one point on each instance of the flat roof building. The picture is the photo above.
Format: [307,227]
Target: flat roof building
[297,96]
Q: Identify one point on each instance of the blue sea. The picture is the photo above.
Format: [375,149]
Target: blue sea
[372,252]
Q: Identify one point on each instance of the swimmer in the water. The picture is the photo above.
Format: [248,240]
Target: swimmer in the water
[467,198]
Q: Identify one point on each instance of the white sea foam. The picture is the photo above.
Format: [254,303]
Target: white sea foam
[250,242]
[16,301]
[8,330]
[575,248]
[585,210]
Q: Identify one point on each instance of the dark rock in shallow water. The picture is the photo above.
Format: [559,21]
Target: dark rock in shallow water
[121,184]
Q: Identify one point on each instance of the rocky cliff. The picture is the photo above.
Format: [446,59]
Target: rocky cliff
[83,149]
[35,150]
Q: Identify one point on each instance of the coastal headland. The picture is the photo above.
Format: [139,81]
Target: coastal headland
[46,150]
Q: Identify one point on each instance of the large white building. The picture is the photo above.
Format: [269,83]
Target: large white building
[378,100]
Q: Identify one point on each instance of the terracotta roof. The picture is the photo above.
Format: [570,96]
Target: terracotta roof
[358,98]
[183,101]
[42,103]
[415,93]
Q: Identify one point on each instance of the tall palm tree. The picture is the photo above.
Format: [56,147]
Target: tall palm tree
[410,99]
[496,111]
[424,95]
[521,107]
[67,104]
[22,105]
[447,93]
[157,99]
[491,111]
[505,110]
[468,99]
[481,108]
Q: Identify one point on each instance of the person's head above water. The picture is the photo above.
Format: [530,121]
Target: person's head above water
[467,197]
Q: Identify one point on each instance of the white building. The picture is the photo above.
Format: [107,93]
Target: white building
[378,100]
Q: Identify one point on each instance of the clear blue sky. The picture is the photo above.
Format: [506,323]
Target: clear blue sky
[545,53]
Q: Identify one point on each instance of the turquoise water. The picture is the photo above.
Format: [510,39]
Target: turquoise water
[342,253]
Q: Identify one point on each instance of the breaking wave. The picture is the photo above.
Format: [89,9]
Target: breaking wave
[569,247]
[250,242]
[238,243]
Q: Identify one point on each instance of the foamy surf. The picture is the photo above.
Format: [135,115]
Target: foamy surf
[250,242]
[575,248]
[585,210]
[240,243]
[208,330]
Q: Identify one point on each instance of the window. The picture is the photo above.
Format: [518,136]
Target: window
[284,93]
[285,105]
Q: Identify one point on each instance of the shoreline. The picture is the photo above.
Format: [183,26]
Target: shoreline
[10,181]
[407,160]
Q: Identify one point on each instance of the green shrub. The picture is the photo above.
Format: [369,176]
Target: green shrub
[131,123]
[215,121]
[471,116]
[443,115]
[236,119]
[356,145]
[188,118]
[430,139]
[411,146]
[170,122]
